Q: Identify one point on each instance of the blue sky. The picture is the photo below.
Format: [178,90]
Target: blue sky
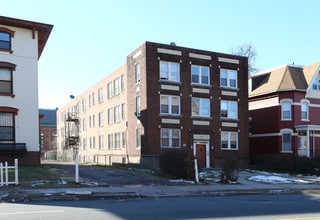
[90,39]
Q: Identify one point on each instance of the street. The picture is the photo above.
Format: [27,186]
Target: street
[285,206]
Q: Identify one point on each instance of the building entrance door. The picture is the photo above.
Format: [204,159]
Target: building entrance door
[302,146]
[201,155]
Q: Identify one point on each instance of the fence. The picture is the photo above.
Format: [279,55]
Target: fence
[4,173]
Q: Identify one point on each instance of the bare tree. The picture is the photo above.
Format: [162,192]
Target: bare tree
[249,51]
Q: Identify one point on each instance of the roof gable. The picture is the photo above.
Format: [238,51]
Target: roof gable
[281,79]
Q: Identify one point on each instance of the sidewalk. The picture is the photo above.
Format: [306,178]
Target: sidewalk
[244,186]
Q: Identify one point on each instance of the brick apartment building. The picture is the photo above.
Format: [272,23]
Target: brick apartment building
[165,96]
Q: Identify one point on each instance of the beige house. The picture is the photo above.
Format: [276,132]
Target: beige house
[100,115]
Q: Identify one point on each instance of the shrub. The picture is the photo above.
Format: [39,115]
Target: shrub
[279,163]
[229,173]
[176,162]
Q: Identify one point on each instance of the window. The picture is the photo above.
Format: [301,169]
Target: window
[170,137]
[117,113]
[117,140]
[304,110]
[101,142]
[84,105]
[94,142]
[84,143]
[116,86]
[6,80]
[229,109]
[229,140]
[93,120]
[286,142]
[200,107]
[170,104]
[137,73]
[84,124]
[110,116]
[316,85]
[124,139]
[200,74]
[228,78]
[170,71]
[100,95]
[5,41]
[138,106]
[110,90]
[122,82]
[123,110]
[110,141]
[92,96]
[138,138]
[101,121]
[286,110]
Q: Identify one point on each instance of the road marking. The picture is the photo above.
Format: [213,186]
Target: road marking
[37,212]
[302,218]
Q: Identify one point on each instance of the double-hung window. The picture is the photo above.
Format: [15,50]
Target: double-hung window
[304,110]
[100,95]
[228,78]
[229,140]
[286,142]
[170,71]
[170,104]
[200,107]
[116,86]
[6,86]
[229,109]
[101,142]
[170,137]
[137,73]
[5,41]
[286,110]
[200,75]
[7,128]
[110,90]
[110,141]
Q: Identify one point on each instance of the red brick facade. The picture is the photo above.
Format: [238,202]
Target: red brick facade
[193,129]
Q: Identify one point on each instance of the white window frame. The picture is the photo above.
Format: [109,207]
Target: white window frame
[110,90]
[305,110]
[283,144]
[100,95]
[101,119]
[231,114]
[116,113]
[169,99]
[229,78]
[138,106]
[137,72]
[117,140]
[110,116]
[110,141]
[101,142]
[169,132]
[286,107]
[201,107]
[116,87]
[168,73]
[138,138]
[199,74]
[228,134]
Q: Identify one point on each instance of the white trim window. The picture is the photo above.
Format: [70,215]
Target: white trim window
[170,71]
[200,107]
[110,141]
[229,109]
[286,110]
[116,86]
[110,116]
[200,75]
[286,141]
[228,78]
[138,106]
[229,140]
[137,73]
[170,105]
[316,85]
[304,110]
[170,138]
[138,138]
[110,90]
[100,95]
[101,119]
[117,137]
[101,142]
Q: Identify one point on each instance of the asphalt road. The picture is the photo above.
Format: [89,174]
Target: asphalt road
[289,206]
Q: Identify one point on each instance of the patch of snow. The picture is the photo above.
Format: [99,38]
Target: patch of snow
[181,181]
[270,179]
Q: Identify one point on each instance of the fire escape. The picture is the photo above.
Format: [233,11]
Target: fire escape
[71,130]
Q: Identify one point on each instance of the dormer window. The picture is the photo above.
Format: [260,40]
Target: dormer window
[316,85]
